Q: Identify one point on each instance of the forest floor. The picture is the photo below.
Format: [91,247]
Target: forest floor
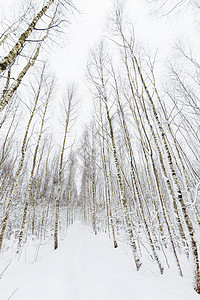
[87,267]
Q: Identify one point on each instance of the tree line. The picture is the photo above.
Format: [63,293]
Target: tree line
[138,159]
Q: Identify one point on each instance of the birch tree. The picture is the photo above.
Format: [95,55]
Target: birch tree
[68,105]
[27,40]
[22,159]
[30,182]
[98,63]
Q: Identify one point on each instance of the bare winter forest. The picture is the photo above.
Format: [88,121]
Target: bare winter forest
[134,173]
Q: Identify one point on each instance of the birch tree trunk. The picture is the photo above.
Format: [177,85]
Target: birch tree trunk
[8,94]
[14,52]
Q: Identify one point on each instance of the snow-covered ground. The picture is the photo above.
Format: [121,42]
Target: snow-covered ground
[87,267]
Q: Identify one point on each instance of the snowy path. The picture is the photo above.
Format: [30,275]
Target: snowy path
[86,267]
